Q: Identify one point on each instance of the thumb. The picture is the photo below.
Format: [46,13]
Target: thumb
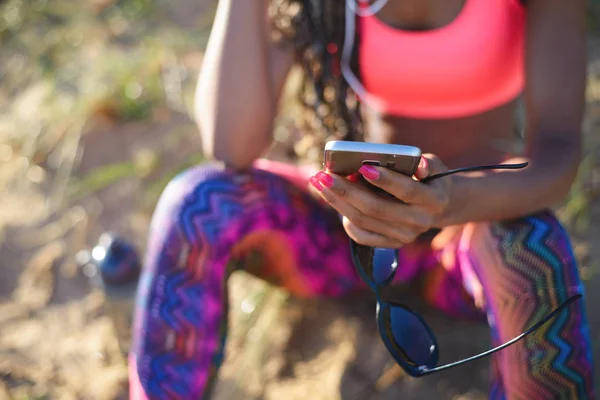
[430,164]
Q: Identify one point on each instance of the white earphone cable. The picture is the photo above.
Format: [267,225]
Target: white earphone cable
[349,35]
[369,11]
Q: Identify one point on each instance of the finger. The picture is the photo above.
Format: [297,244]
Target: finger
[355,177]
[315,190]
[400,186]
[448,234]
[341,206]
[446,244]
[436,166]
[423,170]
[367,238]
[372,205]
[399,232]
[433,164]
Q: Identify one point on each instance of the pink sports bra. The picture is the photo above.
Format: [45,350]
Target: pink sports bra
[471,65]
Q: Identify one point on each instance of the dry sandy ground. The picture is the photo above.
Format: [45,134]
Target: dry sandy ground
[56,341]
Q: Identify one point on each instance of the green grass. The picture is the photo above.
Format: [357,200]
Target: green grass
[65,63]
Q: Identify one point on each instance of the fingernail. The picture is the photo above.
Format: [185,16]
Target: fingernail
[353,178]
[423,163]
[313,181]
[369,172]
[325,179]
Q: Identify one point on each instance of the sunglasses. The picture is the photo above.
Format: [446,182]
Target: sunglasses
[405,334]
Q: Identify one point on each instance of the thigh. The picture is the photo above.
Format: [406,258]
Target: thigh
[525,264]
[519,271]
[443,281]
[210,220]
[281,233]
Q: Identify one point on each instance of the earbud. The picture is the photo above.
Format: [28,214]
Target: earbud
[356,7]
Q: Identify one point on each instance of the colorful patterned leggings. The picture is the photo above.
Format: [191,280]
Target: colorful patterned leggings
[209,220]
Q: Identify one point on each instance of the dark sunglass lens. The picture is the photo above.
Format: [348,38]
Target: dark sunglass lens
[413,337]
[385,263]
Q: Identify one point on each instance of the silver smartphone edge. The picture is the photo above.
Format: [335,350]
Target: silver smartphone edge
[376,148]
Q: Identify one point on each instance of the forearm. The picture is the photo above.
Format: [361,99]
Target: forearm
[502,195]
[235,104]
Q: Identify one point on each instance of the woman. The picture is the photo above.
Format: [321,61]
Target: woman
[442,75]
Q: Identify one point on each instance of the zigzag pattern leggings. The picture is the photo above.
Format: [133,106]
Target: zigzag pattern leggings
[209,220]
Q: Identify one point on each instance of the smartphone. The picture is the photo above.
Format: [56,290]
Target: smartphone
[345,158]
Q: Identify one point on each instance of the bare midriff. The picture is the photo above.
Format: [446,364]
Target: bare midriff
[483,138]
[486,138]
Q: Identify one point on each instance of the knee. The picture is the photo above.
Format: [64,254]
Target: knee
[193,211]
[536,252]
[210,200]
[539,237]
[195,185]
[189,195]
[188,181]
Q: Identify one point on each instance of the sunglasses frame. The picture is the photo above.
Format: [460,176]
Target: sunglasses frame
[384,321]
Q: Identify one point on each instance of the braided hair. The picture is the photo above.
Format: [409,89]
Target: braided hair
[316,30]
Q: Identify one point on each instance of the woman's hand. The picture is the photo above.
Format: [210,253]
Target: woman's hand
[373,220]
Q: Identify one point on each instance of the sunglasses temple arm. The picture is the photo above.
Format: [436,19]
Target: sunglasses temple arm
[504,345]
[475,168]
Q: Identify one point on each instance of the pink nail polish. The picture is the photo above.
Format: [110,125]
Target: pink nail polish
[423,163]
[325,179]
[315,183]
[353,178]
[369,172]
